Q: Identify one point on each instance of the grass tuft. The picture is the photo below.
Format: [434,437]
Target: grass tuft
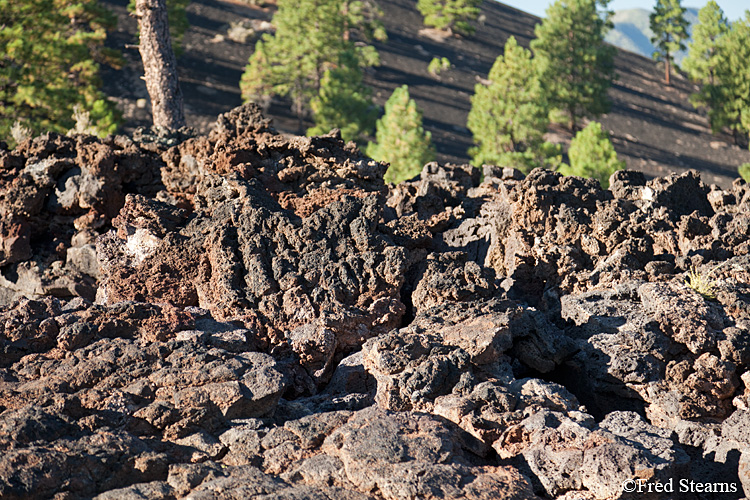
[701,283]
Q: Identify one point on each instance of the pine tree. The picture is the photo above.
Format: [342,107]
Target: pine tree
[343,102]
[731,91]
[592,155]
[312,36]
[401,139]
[703,50]
[258,81]
[703,59]
[450,15]
[508,116]
[50,52]
[308,38]
[577,66]
[669,26]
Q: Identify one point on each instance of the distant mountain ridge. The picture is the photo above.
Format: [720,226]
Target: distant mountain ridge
[632,31]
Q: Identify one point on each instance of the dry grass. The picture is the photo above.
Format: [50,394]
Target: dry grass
[701,283]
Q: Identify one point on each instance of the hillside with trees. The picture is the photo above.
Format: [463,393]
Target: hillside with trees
[653,129]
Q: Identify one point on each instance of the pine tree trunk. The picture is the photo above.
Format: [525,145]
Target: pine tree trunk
[345,14]
[159,64]
[572,122]
[666,70]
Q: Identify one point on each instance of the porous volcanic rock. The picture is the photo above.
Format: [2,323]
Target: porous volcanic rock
[283,234]
[253,315]
[463,370]
[57,194]
[119,392]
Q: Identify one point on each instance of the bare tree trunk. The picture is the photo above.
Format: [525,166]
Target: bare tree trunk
[572,122]
[666,69]
[159,64]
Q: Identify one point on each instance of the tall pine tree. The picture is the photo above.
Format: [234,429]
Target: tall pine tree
[312,37]
[704,57]
[401,139]
[732,87]
[669,26]
[159,65]
[592,155]
[509,115]
[703,50]
[450,15]
[577,66]
[50,52]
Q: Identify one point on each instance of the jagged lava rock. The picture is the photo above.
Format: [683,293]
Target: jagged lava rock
[57,194]
[324,279]
[272,321]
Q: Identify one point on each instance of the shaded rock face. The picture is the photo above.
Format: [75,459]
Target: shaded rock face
[57,195]
[250,315]
[682,366]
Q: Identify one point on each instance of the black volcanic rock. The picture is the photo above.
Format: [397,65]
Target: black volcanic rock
[271,320]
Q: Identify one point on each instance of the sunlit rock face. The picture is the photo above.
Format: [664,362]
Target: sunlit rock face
[253,315]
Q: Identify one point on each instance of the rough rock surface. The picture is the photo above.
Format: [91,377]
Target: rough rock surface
[57,194]
[251,315]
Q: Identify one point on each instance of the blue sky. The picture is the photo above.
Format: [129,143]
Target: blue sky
[733,9]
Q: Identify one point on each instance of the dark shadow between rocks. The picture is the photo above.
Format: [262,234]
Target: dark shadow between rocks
[406,292]
[598,403]
[585,373]
[704,470]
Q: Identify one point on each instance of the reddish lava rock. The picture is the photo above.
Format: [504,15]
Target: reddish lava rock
[248,314]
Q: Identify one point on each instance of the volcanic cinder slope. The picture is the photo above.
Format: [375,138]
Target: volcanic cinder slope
[252,315]
[654,129]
